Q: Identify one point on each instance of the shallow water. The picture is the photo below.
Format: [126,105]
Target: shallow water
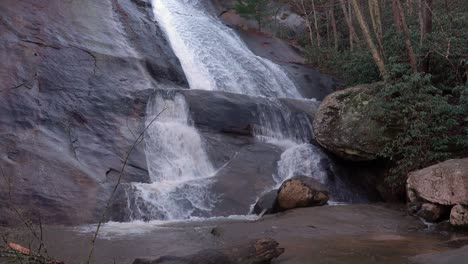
[348,234]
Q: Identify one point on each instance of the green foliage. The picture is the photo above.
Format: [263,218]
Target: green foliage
[355,67]
[424,125]
[253,9]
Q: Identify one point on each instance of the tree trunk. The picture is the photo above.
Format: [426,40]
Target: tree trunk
[374,10]
[426,28]
[333,23]
[316,24]
[367,36]
[427,17]
[421,22]
[409,7]
[352,33]
[396,16]
[301,6]
[409,47]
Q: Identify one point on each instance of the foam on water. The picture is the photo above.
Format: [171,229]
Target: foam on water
[111,230]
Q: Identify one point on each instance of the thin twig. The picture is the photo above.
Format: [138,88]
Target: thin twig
[109,201]
[26,221]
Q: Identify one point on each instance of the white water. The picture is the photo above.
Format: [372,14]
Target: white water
[303,159]
[177,163]
[214,57]
[279,126]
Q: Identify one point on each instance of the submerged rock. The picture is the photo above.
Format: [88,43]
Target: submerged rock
[301,191]
[261,251]
[343,126]
[444,183]
[459,216]
[267,203]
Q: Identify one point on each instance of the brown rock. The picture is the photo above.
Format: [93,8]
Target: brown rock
[432,212]
[301,191]
[459,216]
[445,183]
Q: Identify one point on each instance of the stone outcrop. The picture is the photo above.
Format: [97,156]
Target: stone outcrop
[301,191]
[343,126]
[459,216]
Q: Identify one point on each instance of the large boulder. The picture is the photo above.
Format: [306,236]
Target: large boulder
[445,183]
[343,126]
[301,191]
[459,216]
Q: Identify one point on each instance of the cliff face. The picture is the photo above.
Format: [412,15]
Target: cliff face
[74,81]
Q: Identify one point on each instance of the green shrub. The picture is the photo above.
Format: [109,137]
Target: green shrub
[424,124]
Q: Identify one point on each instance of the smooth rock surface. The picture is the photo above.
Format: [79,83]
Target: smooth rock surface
[343,126]
[301,191]
[75,79]
[445,183]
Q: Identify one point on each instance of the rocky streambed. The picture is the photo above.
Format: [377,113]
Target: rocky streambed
[362,234]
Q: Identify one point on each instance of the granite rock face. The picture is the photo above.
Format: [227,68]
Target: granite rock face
[74,82]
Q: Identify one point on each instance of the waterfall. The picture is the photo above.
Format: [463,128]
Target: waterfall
[281,127]
[178,166]
[213,58]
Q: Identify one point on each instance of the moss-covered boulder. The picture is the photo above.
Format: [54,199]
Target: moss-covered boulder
[343,124]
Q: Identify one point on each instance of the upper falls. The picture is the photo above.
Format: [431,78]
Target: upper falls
[214,57]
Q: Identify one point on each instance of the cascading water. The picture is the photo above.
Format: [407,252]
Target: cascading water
[213,58]
[277,125]
[177,164]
